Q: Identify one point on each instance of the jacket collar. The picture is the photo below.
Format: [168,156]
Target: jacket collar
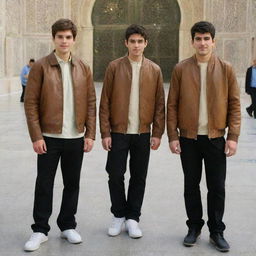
[211,61]
[54,62]
[127,61]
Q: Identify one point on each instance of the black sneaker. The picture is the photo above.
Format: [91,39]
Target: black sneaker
[219,242]
[191,237]
[249,111]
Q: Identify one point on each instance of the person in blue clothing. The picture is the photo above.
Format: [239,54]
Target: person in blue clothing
[250,88]
[24,77]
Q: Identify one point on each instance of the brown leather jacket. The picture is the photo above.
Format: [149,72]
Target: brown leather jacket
[115,98]
[44,98]
[223,103]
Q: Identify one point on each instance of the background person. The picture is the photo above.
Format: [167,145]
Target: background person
[24,77]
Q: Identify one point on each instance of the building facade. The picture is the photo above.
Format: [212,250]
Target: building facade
[25,30]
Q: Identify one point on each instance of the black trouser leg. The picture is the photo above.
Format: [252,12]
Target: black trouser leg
[46,170]
[215,168]
[139,147]
[253,97]
[71,163]
[23,93]
[139,158]
[191,159]
[116,167]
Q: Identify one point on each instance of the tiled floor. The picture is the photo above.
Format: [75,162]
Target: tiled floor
[163,214]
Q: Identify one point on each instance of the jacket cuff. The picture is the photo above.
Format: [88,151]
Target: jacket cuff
[173,137]
[105,135]
[232,137]
[88,136]
[36,138]
[157,135]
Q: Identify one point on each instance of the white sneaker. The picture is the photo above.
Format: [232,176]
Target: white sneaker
[116,226]
[72,236]
[132,227]
[35,241]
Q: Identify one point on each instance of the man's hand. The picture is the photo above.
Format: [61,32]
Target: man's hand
[155,143]
[230,148]
[88,145]
[175,146]
[107,143]
[39,147]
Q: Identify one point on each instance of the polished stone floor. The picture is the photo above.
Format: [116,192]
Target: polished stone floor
[163,214]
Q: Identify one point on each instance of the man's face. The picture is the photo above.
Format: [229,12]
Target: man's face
[31,63]
[203,44]
[63,41]
[136,45]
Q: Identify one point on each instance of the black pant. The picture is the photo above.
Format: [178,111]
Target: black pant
[23,93]
[212,152]
[252,107]
[139,148]
[70,154]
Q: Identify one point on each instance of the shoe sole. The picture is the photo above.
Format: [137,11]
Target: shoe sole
[218,248]
[32,250]
[114,235]
[135,237]
[63,237]
[189,245]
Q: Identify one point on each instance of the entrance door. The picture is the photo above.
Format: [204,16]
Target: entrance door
[110,18]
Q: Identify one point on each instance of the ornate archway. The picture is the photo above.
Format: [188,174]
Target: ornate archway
[110,19]
[190,12]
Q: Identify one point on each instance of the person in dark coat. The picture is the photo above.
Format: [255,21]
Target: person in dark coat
[250,88]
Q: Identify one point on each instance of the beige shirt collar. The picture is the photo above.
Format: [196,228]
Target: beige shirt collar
[61,60]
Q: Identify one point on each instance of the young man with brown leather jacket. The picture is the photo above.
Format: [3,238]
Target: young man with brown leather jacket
[132,100]
[60,106]
[203,101]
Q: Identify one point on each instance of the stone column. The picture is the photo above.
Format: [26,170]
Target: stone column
[84,45]
[81,15]
[2,38]
[233,38]
[13,41]
[191,12]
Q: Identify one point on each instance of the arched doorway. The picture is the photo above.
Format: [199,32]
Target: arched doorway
[110,18]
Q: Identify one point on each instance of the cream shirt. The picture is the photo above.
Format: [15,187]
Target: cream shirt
[203,114]
[69,130]
[133,116]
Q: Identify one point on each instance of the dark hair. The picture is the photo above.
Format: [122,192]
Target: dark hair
[203,27]
[136,29]
[32,60]
[62,25]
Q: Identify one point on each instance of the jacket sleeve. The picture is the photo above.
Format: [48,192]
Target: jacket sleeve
[32,101]
[234,111]
[172,106]
[104,112]
[159,114]
[90,123]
